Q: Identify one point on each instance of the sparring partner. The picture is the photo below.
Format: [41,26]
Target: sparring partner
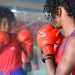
[29,64]
[26,62]
[11,45]
[62,13]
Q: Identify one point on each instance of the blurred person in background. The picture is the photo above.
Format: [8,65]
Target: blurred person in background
[12,45]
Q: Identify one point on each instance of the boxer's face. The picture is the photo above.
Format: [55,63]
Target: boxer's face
[58,18]
[57,22]
[4,25]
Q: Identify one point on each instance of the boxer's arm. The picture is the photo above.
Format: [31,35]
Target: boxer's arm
[24,39]
[67,62]
[50,66]
[22,47]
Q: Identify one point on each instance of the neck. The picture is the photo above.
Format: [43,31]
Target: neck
[68,25]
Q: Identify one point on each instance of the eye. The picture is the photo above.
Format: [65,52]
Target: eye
[4,24]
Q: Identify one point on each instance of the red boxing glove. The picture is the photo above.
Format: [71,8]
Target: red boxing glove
[25,38]
[60,38]
[4,39]
[28,45]
[47,37]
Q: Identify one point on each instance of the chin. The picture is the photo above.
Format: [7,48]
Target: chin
[58,26]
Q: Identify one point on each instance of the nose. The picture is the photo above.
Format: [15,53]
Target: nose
[7,26]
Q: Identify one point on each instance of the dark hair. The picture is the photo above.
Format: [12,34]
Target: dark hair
[51,7]
[5,12]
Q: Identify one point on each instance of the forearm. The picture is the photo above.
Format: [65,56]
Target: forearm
[50,66]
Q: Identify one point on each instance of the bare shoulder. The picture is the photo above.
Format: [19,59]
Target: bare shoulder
[71,42]
[67,61]
[70,49]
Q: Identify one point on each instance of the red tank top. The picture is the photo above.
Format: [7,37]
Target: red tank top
[10,56]
[61,48]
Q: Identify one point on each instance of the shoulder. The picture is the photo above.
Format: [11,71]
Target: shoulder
[70,49]
[71,41]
